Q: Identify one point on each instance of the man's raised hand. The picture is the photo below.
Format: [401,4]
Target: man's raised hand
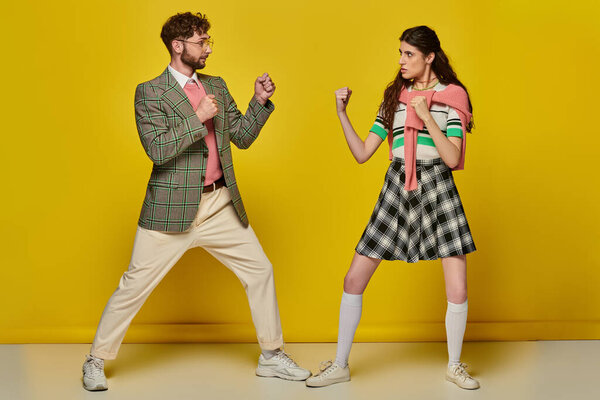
[263,88]
[207,108]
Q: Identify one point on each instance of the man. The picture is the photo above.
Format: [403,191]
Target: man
[185,121]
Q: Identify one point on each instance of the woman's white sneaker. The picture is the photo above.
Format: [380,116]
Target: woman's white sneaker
[458,374]
[93,374]
[329,374]
[281,366]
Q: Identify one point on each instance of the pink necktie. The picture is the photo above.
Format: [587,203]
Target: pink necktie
[195,93]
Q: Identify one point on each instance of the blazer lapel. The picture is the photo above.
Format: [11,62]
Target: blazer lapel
[219,119]
[176,97]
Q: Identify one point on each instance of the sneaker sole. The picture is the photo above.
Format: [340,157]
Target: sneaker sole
[268,373]
[449,379]
[96,388]
[327,383]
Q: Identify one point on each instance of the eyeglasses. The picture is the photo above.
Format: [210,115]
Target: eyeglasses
[203,43]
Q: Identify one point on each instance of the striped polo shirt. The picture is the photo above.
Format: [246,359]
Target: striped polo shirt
[445,116]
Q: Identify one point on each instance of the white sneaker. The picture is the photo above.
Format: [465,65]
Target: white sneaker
[281,366]
[458,374]
[93,374]
[330,373]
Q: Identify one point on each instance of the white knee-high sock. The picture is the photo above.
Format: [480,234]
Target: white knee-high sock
[350,311]
[456,323]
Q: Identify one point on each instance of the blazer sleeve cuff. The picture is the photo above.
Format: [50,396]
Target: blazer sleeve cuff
[261,112]
[195,127]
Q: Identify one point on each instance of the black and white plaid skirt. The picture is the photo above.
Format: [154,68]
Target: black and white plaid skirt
[423,224]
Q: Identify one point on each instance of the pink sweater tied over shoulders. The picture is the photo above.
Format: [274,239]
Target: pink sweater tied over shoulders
[453,96]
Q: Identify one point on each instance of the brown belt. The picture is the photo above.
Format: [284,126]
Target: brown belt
[219,183]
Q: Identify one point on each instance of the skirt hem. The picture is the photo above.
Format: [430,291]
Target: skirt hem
[463,253]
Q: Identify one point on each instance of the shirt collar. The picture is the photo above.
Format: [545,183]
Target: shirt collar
[182,79]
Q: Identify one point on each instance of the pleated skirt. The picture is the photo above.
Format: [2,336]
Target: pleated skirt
[422,224]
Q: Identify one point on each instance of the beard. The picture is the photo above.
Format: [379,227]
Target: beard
[195,63]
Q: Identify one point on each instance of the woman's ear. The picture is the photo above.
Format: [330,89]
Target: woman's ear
[430,57]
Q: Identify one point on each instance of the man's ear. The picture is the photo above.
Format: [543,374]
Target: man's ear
[177,46]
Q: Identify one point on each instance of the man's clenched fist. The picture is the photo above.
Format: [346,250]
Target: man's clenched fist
[263,88]
[207,108]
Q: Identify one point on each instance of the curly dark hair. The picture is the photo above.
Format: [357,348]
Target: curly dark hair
[183,26]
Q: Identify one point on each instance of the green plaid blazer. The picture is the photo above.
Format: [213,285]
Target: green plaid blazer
[172,136]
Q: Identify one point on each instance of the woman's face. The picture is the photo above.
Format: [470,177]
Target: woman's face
[413,63]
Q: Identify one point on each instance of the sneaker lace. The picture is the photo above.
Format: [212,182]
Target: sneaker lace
[460,371]
[325,367]
[95,367]
[285,359]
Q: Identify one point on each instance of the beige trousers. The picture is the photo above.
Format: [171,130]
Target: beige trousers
[216,228]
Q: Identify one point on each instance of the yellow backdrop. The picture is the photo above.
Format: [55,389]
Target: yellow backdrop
[75,172]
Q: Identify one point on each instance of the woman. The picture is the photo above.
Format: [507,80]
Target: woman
[425,114]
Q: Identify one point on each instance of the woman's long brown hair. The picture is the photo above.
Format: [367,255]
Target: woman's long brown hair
[426,40]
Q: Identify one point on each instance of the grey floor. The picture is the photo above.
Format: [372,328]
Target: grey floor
[507,370]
